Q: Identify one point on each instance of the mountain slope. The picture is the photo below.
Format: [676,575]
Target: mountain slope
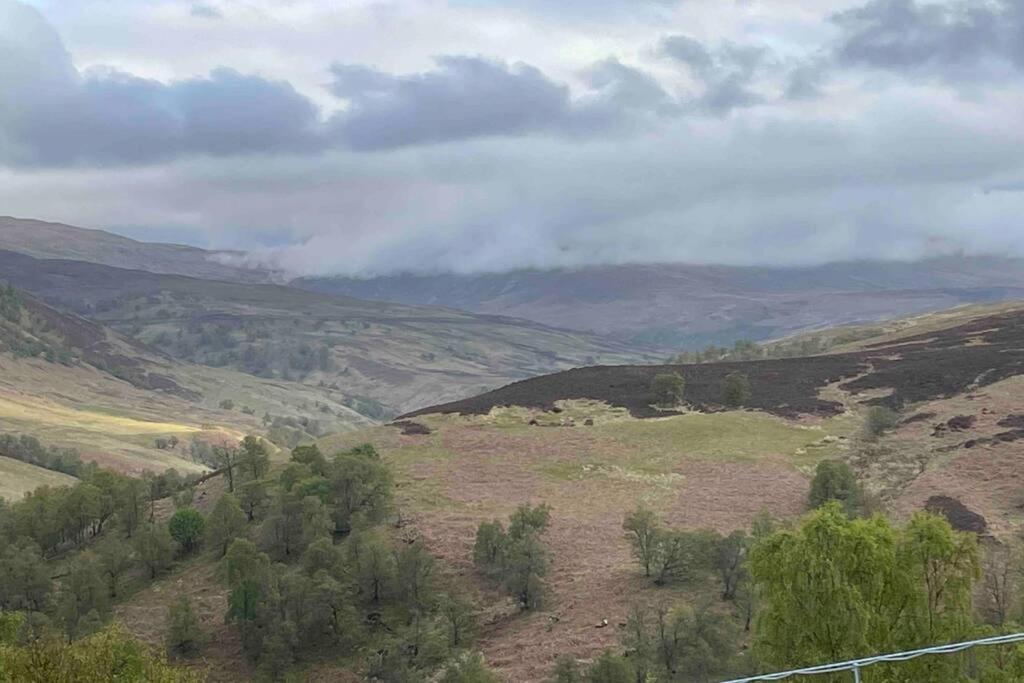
[384,358]
[43,240]
[72,382]
[687,306]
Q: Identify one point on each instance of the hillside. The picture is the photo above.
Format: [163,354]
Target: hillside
[74,383]
[381,358]
[691,306]
[589,442]
[45,240]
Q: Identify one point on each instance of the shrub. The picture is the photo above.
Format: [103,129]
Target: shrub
[736,389]
[878,420]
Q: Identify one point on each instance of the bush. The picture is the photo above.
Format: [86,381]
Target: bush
[668,388]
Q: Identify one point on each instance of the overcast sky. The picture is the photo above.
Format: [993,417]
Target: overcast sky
[364,137]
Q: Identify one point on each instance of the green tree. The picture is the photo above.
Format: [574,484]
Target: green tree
[25,582]
[681,556]
[879,420]
[184,635]
[361,488]
[490,545]
[225,523]
[373,565]
[254,499]
[836,589]
[186,527]
[154,547]
[254,458]
[642,525]
[526,565]
[736,389]
[468,668]
[609,668]
[668,388]
[109,655]
[116,559]
[84,597]
[834,480]
[226,458]
[459,620]
[415,577]
[246,569]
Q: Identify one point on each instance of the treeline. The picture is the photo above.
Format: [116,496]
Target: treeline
[30,450]
[745,349]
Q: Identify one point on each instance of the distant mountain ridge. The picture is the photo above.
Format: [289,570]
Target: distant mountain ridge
[688,306]
[46,240]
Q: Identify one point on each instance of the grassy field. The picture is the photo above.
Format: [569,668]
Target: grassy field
[18,478]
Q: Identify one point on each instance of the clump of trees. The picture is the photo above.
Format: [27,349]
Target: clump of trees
[29,449]
[516,557]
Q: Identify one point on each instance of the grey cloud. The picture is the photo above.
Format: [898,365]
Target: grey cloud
[950,39]
[472,97]
[53,115]
[464,97]
[728,72]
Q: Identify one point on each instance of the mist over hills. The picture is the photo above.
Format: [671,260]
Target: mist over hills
[687,306]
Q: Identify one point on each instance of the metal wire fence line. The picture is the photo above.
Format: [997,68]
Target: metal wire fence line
[856,665]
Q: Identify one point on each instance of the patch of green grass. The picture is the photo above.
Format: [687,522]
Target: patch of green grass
[655,446]
[18,478]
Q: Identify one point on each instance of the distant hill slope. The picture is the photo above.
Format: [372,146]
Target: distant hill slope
[689,306]
[75,383]
[45,240]
[938,362]
[384,358]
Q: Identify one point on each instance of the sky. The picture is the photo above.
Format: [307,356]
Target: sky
[367,137]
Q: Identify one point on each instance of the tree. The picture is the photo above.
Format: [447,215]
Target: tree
[109,655]
[609,668]
[836,588]
[415,577]
[489,548]
[246,569]
[254,458]
[116,558]
[225,523]
[729,561]
[736,389]
[373,565]
[526,565]
[834,480]
[529,520]
[879,419]
[84,597]
[154,548]
[226,458]
[639,639]
[25,582]
[361,487]
[681,556]
[469,668]
[642,525]
[459,620]
[668,388]
[254,498]
[184,635]
[186,527]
